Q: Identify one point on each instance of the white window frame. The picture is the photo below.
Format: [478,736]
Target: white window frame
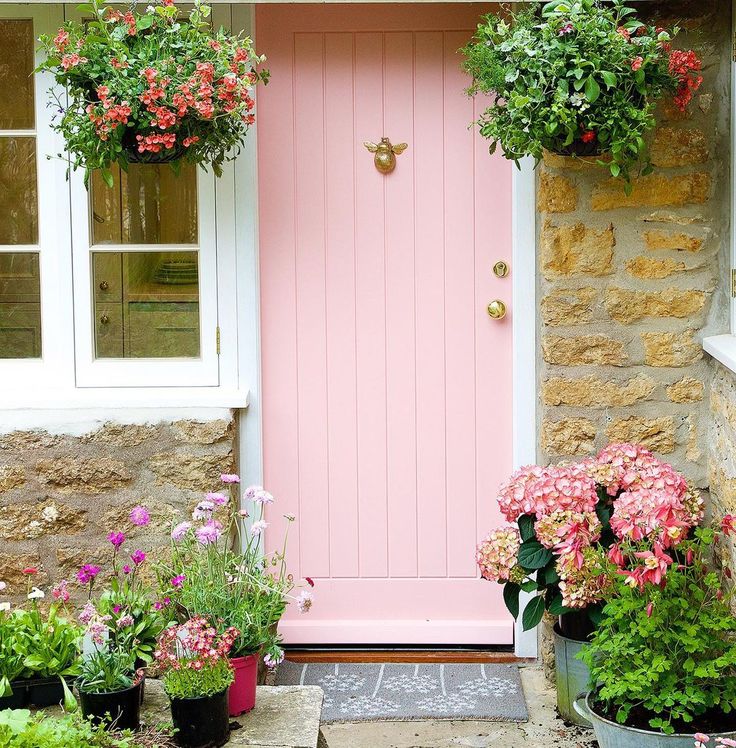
[54,235]
[67,375]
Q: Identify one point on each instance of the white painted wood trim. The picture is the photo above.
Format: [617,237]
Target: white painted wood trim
[249,320]
[524,288]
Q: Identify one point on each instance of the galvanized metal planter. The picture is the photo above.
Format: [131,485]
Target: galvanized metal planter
[572,676]
[612,735]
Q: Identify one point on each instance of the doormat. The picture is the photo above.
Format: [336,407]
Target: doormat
[398,692]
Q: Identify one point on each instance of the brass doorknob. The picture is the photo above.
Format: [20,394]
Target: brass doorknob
[104,285]
[497,309]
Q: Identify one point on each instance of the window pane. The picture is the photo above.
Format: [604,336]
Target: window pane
[146,304]
[16,79]
[149,204]
[20,305]
[18,191]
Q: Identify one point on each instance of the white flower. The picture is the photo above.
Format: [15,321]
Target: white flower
[2,586]
[36,594]
[251,491]
[258,527]
[304,601]
[203,510]
[4,606]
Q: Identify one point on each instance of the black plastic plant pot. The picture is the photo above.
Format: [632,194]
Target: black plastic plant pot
[203,722]
[18,699]
[122,709]
[45,692]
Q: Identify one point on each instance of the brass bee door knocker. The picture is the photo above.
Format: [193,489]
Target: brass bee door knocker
[385,158]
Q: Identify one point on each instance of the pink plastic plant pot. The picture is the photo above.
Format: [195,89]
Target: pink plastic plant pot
[243,688]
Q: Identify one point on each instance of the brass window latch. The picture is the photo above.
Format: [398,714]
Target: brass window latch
[385,158]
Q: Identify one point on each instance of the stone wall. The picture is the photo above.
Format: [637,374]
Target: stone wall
[627,282]
[61,494]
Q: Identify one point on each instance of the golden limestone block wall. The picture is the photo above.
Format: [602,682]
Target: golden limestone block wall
[629,284]
[61,494]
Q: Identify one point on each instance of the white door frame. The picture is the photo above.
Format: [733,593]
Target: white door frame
[523,312]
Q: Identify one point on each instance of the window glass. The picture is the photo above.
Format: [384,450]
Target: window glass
[16,74]
[146,304]
[18,190]
[149,204]
[20,305]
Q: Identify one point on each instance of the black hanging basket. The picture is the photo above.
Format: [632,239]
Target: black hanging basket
[134,156]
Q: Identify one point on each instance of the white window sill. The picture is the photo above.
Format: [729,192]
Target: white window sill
[722,348]
[124,397]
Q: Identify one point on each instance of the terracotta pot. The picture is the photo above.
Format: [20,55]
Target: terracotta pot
[243,688]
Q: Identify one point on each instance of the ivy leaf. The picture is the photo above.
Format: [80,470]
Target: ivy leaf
[107,177]
[592,89]
[533,555]
[526,526]
[144,22]
[533,613]
[511,598]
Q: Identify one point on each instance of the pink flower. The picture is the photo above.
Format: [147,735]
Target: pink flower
[650,610]
[655,565]
[61,592]
[125,621]
[229,477]
[138,557]
[272,662]
[643,512]
[178,580]
[728,525]
[127,569]
[181,530]
[263,497]
[636,63]
[218,499]
[139,516]
[116,538]
[87,613]
[562,487]
[203,510]
[258,527]
[87,573]
[701,739]
[30,570]
[209,533]
[624,32]
[616,556]
[566,29]
[497,555]
[513,498]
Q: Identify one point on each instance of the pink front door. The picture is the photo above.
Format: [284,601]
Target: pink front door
[386,386]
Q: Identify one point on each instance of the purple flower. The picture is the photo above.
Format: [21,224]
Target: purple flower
[258,527]
[117,608]
[263,497]
[87,573]
[251,491]
[138,557]
[203,510]
[230,478]
[568,28]
[127,569]
[181,530]
[178,580]
[116,538]
[88,613]
[139,516]
[125,621]
[209,533]
[218,499]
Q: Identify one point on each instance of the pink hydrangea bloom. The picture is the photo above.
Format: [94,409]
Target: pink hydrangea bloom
[497,554]
[581,585]
[562,487]
[568,532]
[512,496]
[644,512]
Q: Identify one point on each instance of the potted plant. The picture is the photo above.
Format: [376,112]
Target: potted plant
[197,674]
[218,569]
[663,660]
[12,695]
[576,77]
[567,517]
[151,87]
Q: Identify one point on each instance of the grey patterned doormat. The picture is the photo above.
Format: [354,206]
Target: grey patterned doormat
[398,692]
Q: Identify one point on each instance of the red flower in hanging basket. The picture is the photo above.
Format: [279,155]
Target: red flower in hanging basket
[588,136]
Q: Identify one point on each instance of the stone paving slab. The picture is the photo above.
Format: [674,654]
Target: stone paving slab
[284,716]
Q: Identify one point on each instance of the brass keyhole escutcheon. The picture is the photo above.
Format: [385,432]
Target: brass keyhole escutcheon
[500,269]
[385,154]
[104,285]
[497,309]
[104,319]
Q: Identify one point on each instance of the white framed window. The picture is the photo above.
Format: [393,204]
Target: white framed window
[119,295]
[35,269]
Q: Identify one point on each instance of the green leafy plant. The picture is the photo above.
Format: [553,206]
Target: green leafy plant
[151,86]
[11,655]
[193,659]
[576,77]
[106,670]
[19,728]
[664,655]
[48,642]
